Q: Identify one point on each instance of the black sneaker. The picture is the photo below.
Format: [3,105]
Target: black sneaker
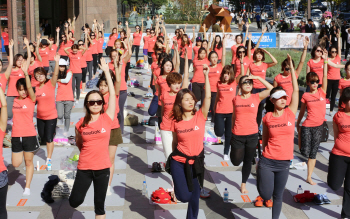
[156,167]
[318,200]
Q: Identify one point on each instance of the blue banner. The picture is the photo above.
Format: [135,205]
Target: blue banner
[268,40]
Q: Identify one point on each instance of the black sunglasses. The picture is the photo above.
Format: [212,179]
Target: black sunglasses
[241,52]
[248,81]
[93,102]
[313,82]
[81,44]
[319,51]
[333,51]
[287,69]
[152,32]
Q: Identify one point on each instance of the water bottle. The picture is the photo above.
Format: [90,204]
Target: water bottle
[144,188]
[143,101]
[226,195]
[300,190]
[49,166]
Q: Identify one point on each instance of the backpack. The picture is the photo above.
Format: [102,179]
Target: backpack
[325,132]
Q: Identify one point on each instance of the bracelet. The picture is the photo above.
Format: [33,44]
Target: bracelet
[325,62]
[241,63]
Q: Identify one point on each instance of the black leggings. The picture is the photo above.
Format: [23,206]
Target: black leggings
[127,67]
[46,130]
[3,196]
[94,56]
[223,124]
[99,58]
[338,171]
[182,65]
[347,50]
[212,103]
[243,148]
[83,74]
[89,68]
[82,184]
[137,51]
[76,85]
[150,57]
[198,90]
[332,90]
[272,176]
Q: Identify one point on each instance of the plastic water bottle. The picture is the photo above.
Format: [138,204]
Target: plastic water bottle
[144,188]
[49,166]
[226,195]
[300,190]
[143,101]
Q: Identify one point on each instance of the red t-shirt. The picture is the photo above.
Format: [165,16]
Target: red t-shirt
[94,46]
[174,38]
[286,84]
[154,69]
[341,146]
[115,123]
[145,42]
[31,69]
[195,50]
[218,51]
[246,111]
[163,86]
[334,73]
[137,38]
[88,54]
[198,76]
[100,45]
[344,83]
[190,135]
[5,37]
[151,42]
[214,76]
[317,68]
[45,97]
[112,39]
[189,51]
[63,46]
[258,71]
[122,75]
[2,164]
[44,53]
[168,104]
[23,113]
[234,53]
[246,63]
[75,62]
[52,52]
[64,90]
[14,76]
[316,108]
[280,144]
[226,95]
[94,154]
[3,82]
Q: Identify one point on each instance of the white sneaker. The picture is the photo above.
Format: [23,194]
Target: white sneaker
[226,157]
[204,193]
[330,113]
[26,192]
[146,66]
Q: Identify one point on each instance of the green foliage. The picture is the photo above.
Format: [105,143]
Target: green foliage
[159,3]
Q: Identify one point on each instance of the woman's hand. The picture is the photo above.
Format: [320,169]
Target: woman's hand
[57,57]
[205,69]
[104,65]
[38,36]
[11,43]
[57,29]
[325,55]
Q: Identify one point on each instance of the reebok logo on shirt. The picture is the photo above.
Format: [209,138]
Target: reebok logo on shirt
[92,132]
[196,128]
[345,126]
[103,130]
[289,124]
[243,105]
[278,125]
[43,95]
[252,105]
[24,107]
[231,89]
[321,99]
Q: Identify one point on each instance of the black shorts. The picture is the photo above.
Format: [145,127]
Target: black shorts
[7,50]
[46,130]
[242,141]
[26,144]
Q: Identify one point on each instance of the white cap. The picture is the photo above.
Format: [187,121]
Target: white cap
[278,94]
[62,62]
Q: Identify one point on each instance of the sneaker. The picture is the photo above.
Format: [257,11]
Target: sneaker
[325,199]
[204,193]
[258,202]
[318,200]
[268,203]
[330,113]
[226,157]
[156,167]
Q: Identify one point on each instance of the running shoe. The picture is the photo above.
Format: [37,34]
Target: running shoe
[226,157]
[328,102]
[268,203]
[258,202]
[325,199]
[318,200]
[204,193]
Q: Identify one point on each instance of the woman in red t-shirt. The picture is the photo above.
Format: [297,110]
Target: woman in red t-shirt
[3,168]
[345,82]
[234,49]
[64,43]
[116,134]
[137,36]
[188,129]
[339,158]
[217,46]
[198,79]
[242,53]
[92,135]
[46,108]
[284,79]
[23,136]
[53,49]
[43,50]
[186,43]
[145,47]
[112,37]
[311,130]
[278,146]
[32,66]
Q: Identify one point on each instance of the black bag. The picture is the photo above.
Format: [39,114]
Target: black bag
[325,132]
[152,120]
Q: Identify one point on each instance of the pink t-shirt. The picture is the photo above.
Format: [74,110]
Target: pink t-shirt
[226,94]
[333,73]
[168,104]
[198,76]
[214,76]
[258,71]
[23,113]
[342,142]
[317,68]
[316,108]
[45,97]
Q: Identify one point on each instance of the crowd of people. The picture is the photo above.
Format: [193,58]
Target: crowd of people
[232,96]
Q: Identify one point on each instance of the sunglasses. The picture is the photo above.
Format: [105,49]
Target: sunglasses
[81,44]
[63,36]
[249,82]
[147,31]
[241,52]
[287,69]
[319,51]
[314,82]
[93,102]
[92,35]
[152,32]
[334,52]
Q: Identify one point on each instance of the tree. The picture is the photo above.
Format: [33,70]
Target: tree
[159,3]
[335,4]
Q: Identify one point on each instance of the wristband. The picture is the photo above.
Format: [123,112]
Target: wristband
[325,62]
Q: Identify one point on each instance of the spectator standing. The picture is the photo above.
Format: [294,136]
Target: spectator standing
[343,36]
[148,23]
[271,26]
[302,26]
[216,27]
[347,44]
[47,28]
[233,17]
[291,26]
[310,27]
[263,18]
[258,20]
[284,26]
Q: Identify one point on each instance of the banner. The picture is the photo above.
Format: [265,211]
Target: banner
[268,40]
[296,40]
[106,38]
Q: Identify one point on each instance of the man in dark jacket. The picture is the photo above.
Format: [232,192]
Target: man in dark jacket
[310,27]
[343,35]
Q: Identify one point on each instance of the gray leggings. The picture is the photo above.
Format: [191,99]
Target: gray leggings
[89,68]
[64,108]
[9,101]
[76,85]
[122,99]
[272,178]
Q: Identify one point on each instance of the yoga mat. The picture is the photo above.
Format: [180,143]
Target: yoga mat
[297,177]
[126,135]
[254,213]
[58,154]
[14,194]
[216,158]
[232,181]
[118,192]
[175,214]
[91,214]
[325,149]
[155,154]
[23,214]
[322,211]
[121,157]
